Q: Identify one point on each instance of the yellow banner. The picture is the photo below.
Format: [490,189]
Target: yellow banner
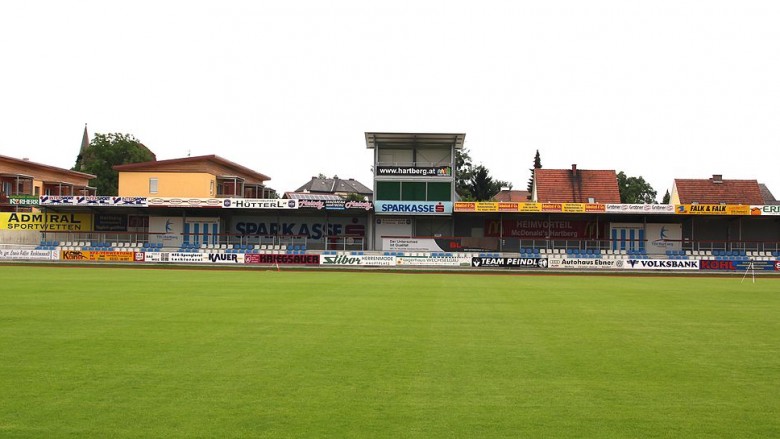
[713,209]
[79,255]
[46,222]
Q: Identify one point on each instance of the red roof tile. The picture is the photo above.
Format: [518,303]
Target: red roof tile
[716,190]
[513,196]
[576,186]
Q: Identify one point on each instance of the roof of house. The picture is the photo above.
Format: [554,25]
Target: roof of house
[576,186]
[24,163]
[507,195]
[716,190]
[197,163]
[334,186]
[766,194]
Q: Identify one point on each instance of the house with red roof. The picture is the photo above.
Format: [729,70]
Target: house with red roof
[716,190]
[575,186]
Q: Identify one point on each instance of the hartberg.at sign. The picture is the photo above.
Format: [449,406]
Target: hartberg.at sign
[411,171]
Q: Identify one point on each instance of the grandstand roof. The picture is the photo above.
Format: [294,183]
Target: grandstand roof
[575,186]
[716,190]
[409,140]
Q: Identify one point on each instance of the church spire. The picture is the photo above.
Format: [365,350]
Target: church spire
[84,145]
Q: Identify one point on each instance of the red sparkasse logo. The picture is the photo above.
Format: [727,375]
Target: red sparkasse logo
[439,208]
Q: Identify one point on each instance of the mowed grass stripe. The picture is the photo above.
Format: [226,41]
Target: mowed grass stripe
[94,352]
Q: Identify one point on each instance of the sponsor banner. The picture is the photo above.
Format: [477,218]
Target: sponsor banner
[362,260]
[541,229]
[314,227]
[86,255]
[773,209]
[46,222]
[335,205]
[585,263]
[166,230]
[282,259]
[224,258]
[180,257]
[595,208]
[259,203]
[110,223]
[155,257]
[103,201]
[661,264]
[639,208]
[24,254]
[413,207]
[663,237]
[713,209]
[737,265]
[23,200]
[424,261]
[414,171]
[509,262]
[411,244]
[184,202]
[777,265]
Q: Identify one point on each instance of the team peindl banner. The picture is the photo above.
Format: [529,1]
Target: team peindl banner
[660,264]
[509,262]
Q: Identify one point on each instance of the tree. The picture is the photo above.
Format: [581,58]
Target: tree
[635,190]
[482,187]
[667,197]
[463,171]
[106,151]
[537,165]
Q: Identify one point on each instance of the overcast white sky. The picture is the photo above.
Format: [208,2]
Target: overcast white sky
[659,89]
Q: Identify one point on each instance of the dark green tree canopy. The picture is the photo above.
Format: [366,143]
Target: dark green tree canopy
[635,190]
[106,151]
[667,197]
[537,165]
[474,183]
[463,171]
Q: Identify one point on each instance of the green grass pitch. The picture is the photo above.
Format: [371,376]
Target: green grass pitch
[113,352]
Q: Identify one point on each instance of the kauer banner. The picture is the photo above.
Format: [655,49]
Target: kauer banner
[660,264]
[414,171]
[32,255]
[357,260]
[259,203]
[184,202]
[46,222]
[485,262]
[587,264]
[102,201]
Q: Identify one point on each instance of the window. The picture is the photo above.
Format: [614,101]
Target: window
[152,185]
[388,190]
[439,191]
[413,191]
[211,187]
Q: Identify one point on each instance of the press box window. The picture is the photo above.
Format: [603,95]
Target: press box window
[152,185]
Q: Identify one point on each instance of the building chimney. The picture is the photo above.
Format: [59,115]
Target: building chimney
[574,169]
[717,178]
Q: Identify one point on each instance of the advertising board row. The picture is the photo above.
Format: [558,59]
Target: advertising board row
[350,260]
[399,207]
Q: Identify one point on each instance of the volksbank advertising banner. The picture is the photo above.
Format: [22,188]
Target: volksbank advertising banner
[414,171]
[46,222]
[310,227]
[259,203]
[660,264]
[29,255]
[501,262]
[413,207]
[357,260]
[102,201]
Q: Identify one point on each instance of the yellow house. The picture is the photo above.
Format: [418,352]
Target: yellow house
[205,176]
